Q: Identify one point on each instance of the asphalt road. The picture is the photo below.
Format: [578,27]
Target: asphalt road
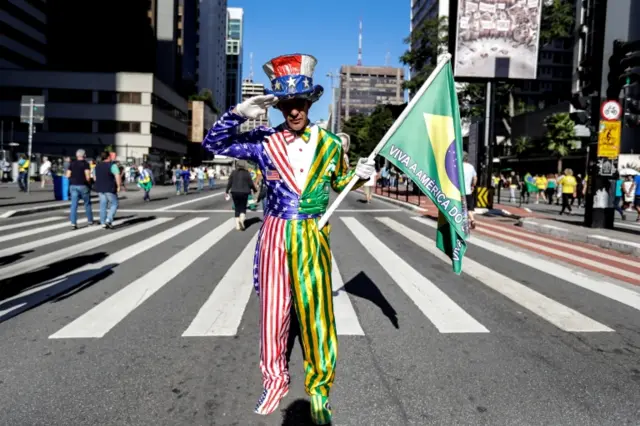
[118,328]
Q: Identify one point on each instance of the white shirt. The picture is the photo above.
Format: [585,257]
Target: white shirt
[300,155]
[45,167]
[469,173]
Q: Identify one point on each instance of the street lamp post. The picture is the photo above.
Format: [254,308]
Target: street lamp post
[334,108]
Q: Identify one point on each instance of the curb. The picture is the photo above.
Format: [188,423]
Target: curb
[33,210]
[625,247]
[403,204]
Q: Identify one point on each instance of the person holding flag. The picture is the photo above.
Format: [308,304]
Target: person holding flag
[300,162]
[425,143]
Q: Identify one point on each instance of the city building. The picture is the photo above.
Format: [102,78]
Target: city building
[188,50]
[23,36]
[598,25]
[134,113]
[363,88]
[234,56]
[201,119]
[212,54]
[249,90]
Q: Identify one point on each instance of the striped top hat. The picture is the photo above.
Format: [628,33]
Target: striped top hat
[292,77]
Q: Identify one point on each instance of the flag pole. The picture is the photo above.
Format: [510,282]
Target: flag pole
[445,59]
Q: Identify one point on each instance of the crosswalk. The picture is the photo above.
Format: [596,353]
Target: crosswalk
[225,308]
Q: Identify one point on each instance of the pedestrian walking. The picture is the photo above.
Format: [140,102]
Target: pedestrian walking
[79,175]
[240,185]
[569,185]
[45,171]
[369,187]
[23,172]
[211,174]
[108,183]
[145,181]
[470,182]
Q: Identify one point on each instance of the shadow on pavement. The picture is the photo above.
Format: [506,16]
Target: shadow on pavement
[615,228]
[251,221]
[298,413]
[61,287]
[362,286]
[15,285]
[6,260]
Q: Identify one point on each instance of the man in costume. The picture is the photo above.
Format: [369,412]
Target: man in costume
[300,162]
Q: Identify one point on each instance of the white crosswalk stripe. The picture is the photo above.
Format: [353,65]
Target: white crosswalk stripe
[225,309]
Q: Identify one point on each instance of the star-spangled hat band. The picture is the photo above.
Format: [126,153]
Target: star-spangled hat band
[292,77]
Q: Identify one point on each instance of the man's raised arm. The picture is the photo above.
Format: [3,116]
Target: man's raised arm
[224,139]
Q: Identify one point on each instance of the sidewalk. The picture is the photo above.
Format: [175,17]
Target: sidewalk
[541,219]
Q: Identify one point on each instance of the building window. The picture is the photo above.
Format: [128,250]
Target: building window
[111,126]
[119,97]
[69,125]
[16,93]
[164,132]
[70,96]
[169,109]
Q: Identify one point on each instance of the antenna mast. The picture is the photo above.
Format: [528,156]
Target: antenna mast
[360,44]
[251,66]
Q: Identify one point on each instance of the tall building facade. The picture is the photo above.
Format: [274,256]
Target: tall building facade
[213,56]
[364,88]
[249,90]
[123,92]
[188,42]
[23,35]
[234,55]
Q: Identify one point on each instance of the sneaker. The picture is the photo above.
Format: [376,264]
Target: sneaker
[74,226]
[108,225]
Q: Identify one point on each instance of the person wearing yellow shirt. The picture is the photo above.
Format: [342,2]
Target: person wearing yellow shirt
[23,172]
[541,184]
[569,185]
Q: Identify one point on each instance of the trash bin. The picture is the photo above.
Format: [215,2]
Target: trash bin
[61,187]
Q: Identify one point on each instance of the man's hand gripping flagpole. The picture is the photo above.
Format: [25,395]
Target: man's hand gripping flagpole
[325,218]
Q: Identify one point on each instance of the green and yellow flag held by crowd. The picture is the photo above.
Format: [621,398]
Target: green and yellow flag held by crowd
[425,143]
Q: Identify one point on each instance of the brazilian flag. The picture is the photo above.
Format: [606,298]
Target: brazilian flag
[427,147]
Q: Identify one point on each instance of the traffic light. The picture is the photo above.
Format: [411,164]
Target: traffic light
[615,70]
[630,82]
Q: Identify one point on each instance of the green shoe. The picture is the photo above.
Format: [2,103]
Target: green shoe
[320,410]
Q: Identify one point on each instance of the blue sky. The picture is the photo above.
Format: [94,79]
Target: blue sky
[325,29]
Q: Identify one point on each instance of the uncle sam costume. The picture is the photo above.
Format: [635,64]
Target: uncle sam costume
[292,262]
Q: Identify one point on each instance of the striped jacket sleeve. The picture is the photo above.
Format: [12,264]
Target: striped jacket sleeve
[224,138]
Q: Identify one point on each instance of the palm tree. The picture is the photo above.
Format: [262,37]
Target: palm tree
[561,136]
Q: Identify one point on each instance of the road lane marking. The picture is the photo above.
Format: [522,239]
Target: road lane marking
[565,245]
[31,222]
[195,200]
[68,281]
[222,312]
[23,234]
[443,312]
[103,317]
[53,239]
[563,254]
[599,286]
[556,313]
[75,249]
[347,323]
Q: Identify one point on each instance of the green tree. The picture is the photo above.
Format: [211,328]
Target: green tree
[560,137]
[205,96]
[521,145]
[557,20]
[426,43]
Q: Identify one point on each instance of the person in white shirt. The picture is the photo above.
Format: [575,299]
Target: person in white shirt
[45,171]
[470,181]
[369,186]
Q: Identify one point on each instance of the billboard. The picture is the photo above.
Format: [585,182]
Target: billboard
[497,39]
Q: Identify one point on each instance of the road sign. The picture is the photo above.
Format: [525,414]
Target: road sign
[611,110]
[38,109]
[609,139]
